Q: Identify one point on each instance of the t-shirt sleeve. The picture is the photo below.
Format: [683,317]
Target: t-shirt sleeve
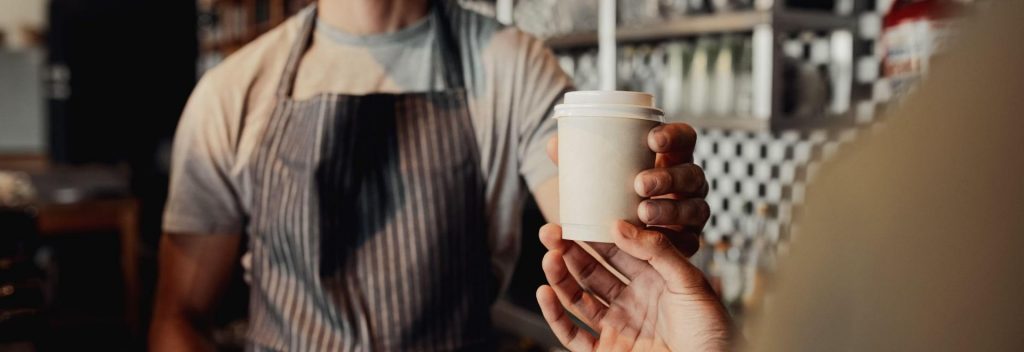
[203,196]
[542,86]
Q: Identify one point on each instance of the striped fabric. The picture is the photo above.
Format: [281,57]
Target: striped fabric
[367,230]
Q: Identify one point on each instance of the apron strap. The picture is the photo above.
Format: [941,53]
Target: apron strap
[291,67]
[448,54]
[448,43]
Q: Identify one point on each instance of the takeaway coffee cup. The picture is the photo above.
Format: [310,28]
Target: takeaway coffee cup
[602,146]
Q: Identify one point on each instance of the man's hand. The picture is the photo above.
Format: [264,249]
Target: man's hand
[675,187]
[665,302]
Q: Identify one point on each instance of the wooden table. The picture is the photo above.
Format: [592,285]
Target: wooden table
[118,215]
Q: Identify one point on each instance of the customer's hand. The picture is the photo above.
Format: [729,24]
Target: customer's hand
[667,305]
[665,302]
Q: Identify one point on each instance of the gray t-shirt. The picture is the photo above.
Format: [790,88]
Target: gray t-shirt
[403,55]
[512,81]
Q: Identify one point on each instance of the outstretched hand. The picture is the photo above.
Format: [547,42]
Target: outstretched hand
[663,302]
[667,305]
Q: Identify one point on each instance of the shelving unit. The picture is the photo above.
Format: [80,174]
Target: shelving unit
[752,124]
[741,21]
[738,123]
[768,28]
[802,89]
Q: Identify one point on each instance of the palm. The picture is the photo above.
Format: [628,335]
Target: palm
[639,323]
[642,314]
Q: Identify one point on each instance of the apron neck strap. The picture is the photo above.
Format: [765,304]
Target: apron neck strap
[448,44]
[448,53]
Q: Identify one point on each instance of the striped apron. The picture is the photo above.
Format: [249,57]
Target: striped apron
[367,229]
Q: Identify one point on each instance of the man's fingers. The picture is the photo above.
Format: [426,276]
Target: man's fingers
[692,211]
[594,276]
[623,263]
[672,138]
[551,237]
[685,240]
[674,143]
[552,149]
[570,335]
[653,246]
[569,292]
[685,179]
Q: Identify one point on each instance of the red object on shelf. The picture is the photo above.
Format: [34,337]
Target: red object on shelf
[913,31]
[916,10]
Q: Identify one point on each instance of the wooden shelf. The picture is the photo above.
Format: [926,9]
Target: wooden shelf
[721,23]
[754,124]
[813,20]
[24,161]
[728,123]
[706,24]
[572,40]
[833,121]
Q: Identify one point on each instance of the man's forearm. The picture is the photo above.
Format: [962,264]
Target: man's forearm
[546,196]
[193,273]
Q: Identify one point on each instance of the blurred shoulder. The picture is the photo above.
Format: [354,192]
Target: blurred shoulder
[256,67]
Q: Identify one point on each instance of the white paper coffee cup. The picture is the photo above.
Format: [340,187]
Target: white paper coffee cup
[602,146]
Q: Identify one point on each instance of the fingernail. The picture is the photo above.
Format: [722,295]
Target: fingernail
[645,185]
[705,211]
[648,211]
[660,139]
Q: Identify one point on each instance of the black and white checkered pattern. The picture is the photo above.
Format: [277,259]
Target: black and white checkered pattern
[750,170]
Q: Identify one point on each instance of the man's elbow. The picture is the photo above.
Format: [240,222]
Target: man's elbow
[174,328]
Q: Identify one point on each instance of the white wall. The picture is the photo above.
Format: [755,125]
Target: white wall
[22,113]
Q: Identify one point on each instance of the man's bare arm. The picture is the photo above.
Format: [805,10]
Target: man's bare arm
[546,196]
[194,271]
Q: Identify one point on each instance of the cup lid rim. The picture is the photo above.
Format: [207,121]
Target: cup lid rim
[609,110]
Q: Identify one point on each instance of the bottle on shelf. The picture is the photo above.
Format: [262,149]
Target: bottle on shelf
[744,98]
[724,78]
[675,75]
[700,80]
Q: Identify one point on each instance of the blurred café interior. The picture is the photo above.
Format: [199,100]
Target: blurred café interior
[91,92]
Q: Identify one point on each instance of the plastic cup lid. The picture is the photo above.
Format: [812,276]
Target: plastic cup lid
[596,103]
